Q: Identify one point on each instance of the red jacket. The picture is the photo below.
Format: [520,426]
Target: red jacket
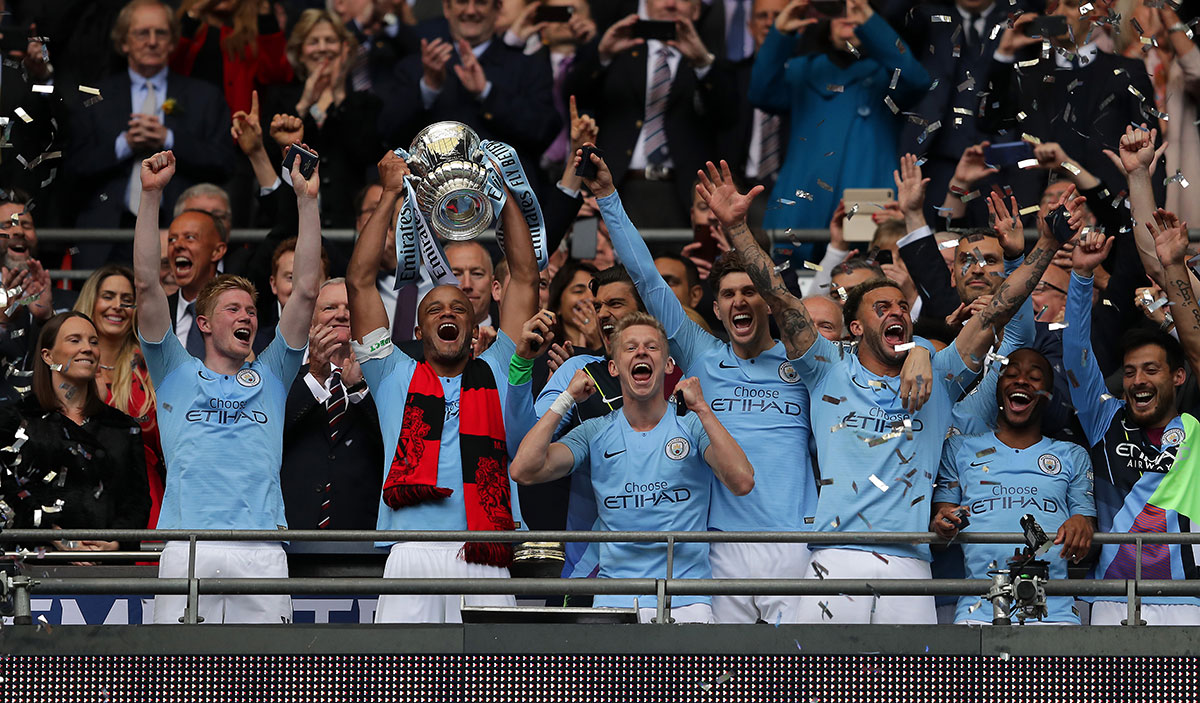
[249,71]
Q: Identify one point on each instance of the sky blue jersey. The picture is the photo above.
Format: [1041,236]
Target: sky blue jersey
[874,477]
[761,401]
[654,480]
[222,436]
[1052,481]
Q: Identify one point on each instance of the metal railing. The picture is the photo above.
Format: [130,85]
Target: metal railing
[22,586]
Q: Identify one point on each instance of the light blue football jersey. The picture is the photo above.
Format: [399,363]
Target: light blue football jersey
[874,478]
[655,480]
[222,436]
[761,401]
[1051,481]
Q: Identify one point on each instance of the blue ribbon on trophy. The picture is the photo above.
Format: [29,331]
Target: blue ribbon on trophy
[456,190]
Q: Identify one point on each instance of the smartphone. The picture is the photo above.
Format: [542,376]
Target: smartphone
[662,30]
[822,9]
[1058,222]
[881,256]
[583,238]
[703,234]
[861,228]
[1047,26]
[1007,153]
[681,407]
[586,168]
[553,13]
[308,160]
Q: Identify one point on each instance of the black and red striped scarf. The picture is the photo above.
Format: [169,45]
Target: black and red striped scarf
[484,451]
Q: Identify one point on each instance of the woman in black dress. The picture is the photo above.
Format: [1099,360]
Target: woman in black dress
[70,460]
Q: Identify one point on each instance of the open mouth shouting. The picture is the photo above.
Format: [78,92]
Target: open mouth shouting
[894,333]
[1020,400]
[607,327]
[183,266]
[447,331]
[1142,399]
[242,334]
[742,323]
[641,372]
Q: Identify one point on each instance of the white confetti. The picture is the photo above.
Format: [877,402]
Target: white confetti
[42,88]
[878,483]
[1027,163]
[23,115]
[904,347]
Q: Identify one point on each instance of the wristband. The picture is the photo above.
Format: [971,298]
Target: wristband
[520,370]
[563,404]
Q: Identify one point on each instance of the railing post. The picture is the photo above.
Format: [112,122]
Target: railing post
[22,609]
[664,600]
[191,612]
[1133,601]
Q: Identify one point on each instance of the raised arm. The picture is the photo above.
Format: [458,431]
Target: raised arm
[724,455]
[1136,158]
[154,316]
[1170,243]
[520,300]
[539,461]
[795,326]
[978,334]
[367,312]
[296,318]
[1079,361]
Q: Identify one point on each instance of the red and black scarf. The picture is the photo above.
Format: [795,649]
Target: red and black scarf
[484,451]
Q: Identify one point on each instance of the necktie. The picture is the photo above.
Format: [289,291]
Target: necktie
[768,160]
[556,153]
[335,404]
[195,340]
[655,124]
[973,30]
[735,33]
[404,319]
[360,73]
[149,107]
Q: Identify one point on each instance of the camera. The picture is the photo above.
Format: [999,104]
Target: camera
[1020,589]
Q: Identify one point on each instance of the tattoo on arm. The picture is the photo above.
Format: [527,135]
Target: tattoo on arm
[795,325]
[1017,287]
[1179,290]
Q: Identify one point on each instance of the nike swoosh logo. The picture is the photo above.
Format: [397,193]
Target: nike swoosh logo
[978,463]
[722,365]
[609,456]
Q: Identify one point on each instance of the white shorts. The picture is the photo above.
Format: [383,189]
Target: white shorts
[226,560]
[432,560]
[1107,612]
[1014,622]
[756,560]
[695,613]
[874,610]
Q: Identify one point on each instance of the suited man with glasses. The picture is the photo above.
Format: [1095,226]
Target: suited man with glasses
[146,108]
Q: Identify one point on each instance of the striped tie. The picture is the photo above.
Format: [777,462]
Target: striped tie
[360,75]
[768,161]
[656,106]
[335,404]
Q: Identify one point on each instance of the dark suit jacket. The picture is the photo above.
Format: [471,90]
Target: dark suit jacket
[616,96]
[314,470]
[518,111]
[733,144]
[1085,110]
[203,148]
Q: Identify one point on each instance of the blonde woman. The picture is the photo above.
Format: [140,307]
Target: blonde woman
[107,298]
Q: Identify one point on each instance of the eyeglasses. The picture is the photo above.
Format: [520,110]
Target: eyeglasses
[145,33]
[1042,286]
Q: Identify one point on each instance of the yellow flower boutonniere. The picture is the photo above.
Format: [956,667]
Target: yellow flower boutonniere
[170,106]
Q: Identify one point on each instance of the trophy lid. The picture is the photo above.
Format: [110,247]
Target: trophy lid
[441,142]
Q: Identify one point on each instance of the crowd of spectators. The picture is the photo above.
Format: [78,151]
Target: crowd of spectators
[926,137]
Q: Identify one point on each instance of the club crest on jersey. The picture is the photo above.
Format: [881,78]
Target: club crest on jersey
[1172,436]
[248,378]
[678,448]
[1049,464]
[787,373]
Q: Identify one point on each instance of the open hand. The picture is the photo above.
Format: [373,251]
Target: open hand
[717,190]
[1170,237]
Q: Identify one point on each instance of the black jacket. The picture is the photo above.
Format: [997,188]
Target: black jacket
[97,470]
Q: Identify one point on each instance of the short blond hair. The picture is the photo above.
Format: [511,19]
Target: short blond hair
[636,318]
[207,300]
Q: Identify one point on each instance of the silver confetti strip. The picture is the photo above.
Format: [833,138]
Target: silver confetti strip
[780,268]
[864,519]
[985,452]
[880,557]
[895,79]
[804,194]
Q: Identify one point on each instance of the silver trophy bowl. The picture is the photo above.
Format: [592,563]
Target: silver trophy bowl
[447,165]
